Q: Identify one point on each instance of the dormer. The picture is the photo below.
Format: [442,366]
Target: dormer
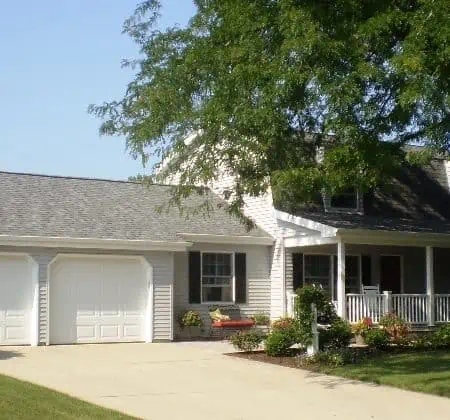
[348,201]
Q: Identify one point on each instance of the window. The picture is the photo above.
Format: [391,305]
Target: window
[317,271]
[217,277]
[345,200]
[352,281]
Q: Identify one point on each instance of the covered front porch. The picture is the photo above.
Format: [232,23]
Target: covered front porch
[370,276]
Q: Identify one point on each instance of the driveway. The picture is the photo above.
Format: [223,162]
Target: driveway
[179,381]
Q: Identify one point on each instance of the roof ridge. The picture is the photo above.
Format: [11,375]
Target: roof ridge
[81,178]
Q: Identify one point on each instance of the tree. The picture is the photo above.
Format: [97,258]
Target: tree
[264,83]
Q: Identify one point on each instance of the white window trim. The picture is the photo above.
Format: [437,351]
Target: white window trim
[233,278]
[332,209]
[331,270]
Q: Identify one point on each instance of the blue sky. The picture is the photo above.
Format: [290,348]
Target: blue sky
[57,57]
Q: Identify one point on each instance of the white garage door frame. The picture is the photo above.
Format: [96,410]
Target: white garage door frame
[148,323]
[34,278]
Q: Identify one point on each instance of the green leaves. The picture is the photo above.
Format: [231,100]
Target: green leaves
[265,83]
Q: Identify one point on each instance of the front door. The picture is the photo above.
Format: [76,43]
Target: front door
[391,273]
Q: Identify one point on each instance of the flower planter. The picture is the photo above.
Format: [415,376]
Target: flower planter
[359,340]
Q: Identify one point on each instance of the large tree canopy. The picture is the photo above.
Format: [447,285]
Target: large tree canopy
[263,83]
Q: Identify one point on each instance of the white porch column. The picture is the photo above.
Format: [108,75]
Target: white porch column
[342,310]
[430,284]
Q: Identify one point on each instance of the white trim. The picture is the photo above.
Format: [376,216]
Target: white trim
[227,239]
[233,278]
[307,223]
[34,339]
[91,243]
[341,297]
[313,240]
[149,311]
[379,237]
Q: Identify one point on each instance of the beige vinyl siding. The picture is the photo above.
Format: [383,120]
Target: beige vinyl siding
[258,280]
[163,275]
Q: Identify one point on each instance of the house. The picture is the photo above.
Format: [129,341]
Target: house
[386,251]
[89,260]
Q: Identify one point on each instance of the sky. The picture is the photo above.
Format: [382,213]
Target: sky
[57,57]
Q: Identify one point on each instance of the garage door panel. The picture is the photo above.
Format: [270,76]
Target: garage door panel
[16,299]
[109,304]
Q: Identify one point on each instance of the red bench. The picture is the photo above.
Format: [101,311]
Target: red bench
[232,324]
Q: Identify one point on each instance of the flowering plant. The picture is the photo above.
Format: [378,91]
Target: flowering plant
[363,326]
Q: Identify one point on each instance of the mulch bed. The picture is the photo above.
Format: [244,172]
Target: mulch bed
[291,361]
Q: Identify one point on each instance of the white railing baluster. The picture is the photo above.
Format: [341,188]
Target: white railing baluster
[442,305]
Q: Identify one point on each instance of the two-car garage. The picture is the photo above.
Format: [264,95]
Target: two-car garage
[91,299]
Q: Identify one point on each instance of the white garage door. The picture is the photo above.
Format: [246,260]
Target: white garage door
[98,299]
[17,294]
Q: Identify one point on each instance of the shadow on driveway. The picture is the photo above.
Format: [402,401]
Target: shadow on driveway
[9,354]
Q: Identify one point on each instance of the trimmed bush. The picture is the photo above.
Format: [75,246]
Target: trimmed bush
[377,338]
[441,337]
[337,336]
[246,340]
[278,342]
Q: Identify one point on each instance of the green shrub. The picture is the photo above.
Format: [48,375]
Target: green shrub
[283,323]
[441,338]
[307,295]
[377,338]
[395,326]
[246,340]
[337,336]
[261,319]
[189,319]
[278,342]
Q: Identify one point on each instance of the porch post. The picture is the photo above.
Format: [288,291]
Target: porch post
[430,284]
[342,310]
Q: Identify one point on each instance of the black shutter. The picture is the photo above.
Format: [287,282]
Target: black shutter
[240,271]
[297,270]
[194,277]
[366,270]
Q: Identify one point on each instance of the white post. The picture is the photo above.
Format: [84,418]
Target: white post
[342,311]
[430,284]
[313,348]
[388,301]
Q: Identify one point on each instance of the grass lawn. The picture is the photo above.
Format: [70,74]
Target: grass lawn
[22,400]
[423,372]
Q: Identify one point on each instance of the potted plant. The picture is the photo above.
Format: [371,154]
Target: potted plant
[190,320]
[360,330]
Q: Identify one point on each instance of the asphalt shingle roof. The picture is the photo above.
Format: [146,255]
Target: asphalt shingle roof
[418,200]
[50,206]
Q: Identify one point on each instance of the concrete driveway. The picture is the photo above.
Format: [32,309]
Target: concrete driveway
[180,381]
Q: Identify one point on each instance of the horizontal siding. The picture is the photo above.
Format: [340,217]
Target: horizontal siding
[258,281]
[163,275]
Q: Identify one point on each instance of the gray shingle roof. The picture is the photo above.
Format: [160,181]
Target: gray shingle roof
[418,200]
[50,206]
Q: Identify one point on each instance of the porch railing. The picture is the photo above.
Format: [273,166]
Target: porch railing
[442,307]
[413,308]
[365,306]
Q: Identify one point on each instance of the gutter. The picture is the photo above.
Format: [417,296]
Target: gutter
[93,243]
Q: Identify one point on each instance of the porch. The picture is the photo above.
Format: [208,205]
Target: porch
[371,280]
